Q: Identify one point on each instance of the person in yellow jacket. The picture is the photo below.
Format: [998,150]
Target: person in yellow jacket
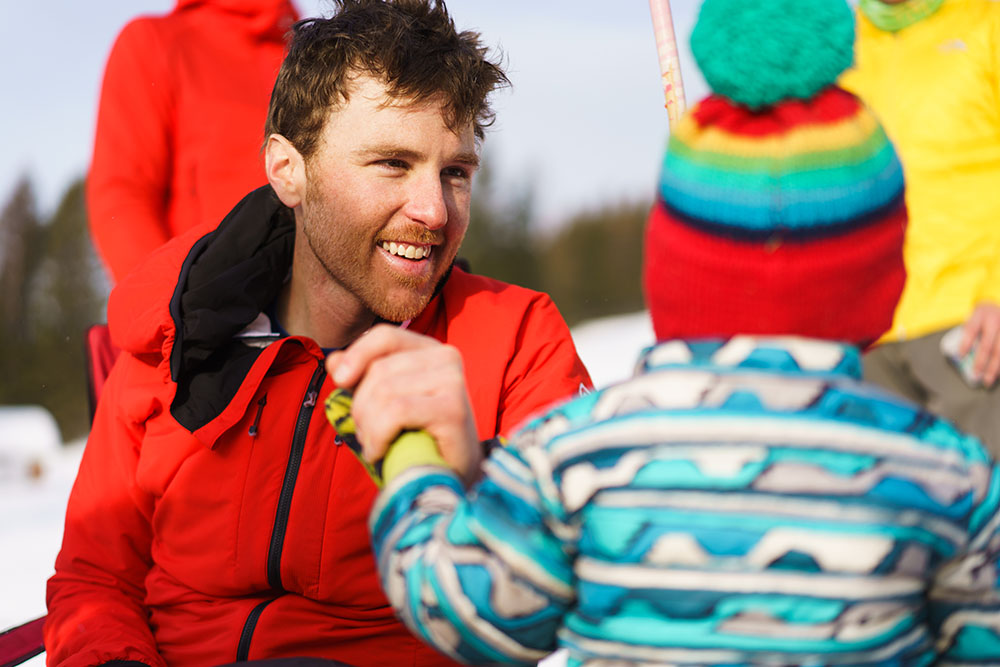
[930,70]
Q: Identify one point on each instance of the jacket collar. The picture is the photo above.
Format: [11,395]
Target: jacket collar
[781,354]
[228,278]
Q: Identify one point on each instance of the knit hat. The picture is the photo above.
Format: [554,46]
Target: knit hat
[780,207]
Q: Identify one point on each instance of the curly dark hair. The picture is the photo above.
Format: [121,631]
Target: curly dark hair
[410,45]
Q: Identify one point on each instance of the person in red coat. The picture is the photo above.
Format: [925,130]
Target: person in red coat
[216,516]
[178,134]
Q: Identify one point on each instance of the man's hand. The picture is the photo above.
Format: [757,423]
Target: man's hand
[403,380]
[983,326]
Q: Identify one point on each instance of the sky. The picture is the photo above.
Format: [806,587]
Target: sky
[583,124]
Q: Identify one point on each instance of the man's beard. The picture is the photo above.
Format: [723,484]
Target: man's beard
[380,306]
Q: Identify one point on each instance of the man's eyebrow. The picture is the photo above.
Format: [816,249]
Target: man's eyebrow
[387,152]
[395,152]
[470,159]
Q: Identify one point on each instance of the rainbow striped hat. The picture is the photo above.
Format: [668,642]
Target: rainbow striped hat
[780,207]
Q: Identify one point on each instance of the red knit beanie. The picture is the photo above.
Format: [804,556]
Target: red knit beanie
[782,219]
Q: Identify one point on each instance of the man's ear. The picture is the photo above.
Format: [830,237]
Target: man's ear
[286,170]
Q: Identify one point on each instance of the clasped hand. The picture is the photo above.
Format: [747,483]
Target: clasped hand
[404,380]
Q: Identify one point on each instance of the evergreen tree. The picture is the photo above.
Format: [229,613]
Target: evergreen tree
[592,266]
[499,242]
[20,254]
[70,297]
[53,290]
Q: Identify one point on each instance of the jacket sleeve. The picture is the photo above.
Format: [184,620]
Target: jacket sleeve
[95,599]
[544,368]
[964,601]
[129,179]
[484,577]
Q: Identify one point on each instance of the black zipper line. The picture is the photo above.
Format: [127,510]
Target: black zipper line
[255,426]
[243,649]
[291,474]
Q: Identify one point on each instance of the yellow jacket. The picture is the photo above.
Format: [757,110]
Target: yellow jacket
[935,86]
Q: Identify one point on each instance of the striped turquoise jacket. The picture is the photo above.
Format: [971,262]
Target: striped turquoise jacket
[739,502]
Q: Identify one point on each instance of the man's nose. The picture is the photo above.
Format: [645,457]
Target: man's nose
[426,203]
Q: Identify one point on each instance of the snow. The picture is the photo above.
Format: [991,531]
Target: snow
[36,485]
[32,508]
[610,346]
[29,433]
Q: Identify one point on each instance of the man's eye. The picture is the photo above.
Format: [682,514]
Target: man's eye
[456,172]
[393,163]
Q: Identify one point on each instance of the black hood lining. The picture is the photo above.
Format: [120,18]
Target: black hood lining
[229,277]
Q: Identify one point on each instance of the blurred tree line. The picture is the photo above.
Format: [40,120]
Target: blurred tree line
[590,266]
[53,287]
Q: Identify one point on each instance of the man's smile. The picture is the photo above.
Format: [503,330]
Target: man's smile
[407,250]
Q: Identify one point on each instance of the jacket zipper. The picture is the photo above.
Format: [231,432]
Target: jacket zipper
[284,503]
[255,426]
[291,474]
[243,649]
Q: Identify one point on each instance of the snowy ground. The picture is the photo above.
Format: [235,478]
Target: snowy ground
[32,508]
[31,523]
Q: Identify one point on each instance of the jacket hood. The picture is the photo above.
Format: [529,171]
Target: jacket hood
[184,307]
[270,19]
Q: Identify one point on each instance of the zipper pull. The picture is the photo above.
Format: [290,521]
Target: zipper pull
[312,395]
[311,399]
[256,420]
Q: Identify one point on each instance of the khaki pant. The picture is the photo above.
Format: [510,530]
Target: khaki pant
[919,371]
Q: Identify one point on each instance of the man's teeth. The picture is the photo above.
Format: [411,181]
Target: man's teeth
[406,250]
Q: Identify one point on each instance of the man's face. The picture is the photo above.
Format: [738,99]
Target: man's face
[386,204]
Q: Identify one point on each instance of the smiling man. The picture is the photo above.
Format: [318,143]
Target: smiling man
[215,516]
[383,205]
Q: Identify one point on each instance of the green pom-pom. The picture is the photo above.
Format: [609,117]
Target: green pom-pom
[758,52]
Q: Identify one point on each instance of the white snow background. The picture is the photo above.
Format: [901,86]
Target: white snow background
[32,508]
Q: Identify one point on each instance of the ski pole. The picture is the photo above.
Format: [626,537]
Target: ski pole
[408,445]
[670,62]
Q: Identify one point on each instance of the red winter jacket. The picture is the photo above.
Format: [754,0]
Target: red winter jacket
[181,122]
[213,517]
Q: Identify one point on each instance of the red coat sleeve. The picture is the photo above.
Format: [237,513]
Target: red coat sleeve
[95,599]
[544,368]
[128,182]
